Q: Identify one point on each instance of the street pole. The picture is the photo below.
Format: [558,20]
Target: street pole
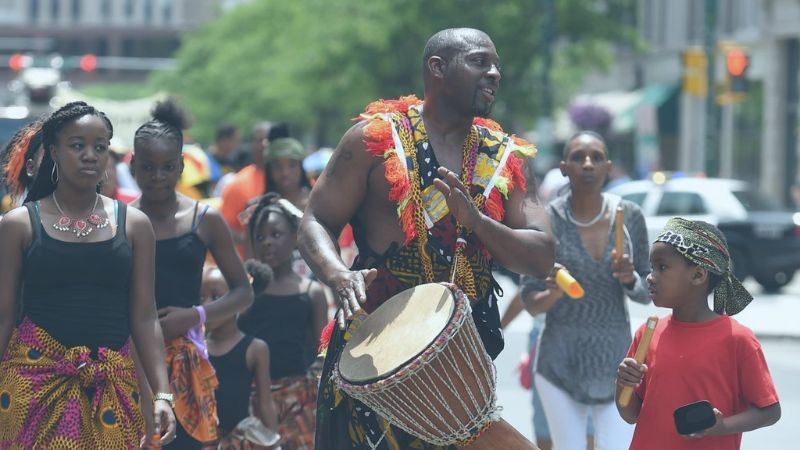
[726,140]
[792,103]
[710,45]
[544,126]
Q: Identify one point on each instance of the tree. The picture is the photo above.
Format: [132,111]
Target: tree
[316,63]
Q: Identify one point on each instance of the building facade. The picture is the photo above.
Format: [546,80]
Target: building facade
[757,134]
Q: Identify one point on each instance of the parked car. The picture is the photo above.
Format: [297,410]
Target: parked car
[764,238]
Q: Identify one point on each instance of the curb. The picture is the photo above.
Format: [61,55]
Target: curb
[777,337]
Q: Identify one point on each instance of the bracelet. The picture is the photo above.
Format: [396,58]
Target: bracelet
[201,311]
[167,397]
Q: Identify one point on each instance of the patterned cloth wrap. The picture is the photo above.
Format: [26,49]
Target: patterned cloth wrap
[295,401]
[703,244]
[193,382]
[57,397]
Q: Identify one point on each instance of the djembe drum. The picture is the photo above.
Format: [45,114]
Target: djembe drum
[419,362]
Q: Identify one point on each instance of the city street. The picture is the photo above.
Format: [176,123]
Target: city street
[772,317]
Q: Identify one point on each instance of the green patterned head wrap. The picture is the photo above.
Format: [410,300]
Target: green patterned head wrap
[284,148]
[703,244]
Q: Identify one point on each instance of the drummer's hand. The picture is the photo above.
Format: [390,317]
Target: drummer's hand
[622,268]
[350,288]
[459,202]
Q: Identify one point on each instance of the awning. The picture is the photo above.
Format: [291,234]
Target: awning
[654,94]
[622,105]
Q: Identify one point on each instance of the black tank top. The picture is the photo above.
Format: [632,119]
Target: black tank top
[179,267]
[235,381]
[284,322]
[78,291]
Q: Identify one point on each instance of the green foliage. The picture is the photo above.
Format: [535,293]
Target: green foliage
[119,91]
[316,63]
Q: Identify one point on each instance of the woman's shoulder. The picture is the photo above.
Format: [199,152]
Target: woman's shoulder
[16,223]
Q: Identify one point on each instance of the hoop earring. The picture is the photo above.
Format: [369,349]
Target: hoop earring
[106,181]
[54,174]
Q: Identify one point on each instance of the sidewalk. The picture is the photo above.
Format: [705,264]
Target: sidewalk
[770,316]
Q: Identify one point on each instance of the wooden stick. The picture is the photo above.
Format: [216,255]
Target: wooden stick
[639,356]
[619,234]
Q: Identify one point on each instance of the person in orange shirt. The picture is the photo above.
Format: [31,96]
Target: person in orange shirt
[249,183]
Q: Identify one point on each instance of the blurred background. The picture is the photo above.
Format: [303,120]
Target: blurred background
[697,86]
[690,90]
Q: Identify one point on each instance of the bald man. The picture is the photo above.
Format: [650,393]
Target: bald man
[456,175]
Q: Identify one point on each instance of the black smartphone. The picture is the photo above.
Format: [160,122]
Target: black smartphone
[694,417]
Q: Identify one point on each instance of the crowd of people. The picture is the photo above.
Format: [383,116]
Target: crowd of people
[188,299]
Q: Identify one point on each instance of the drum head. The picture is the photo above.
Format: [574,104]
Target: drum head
[395,333]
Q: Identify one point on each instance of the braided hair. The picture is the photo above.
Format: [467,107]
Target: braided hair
[44,184]
[22,147]
[168,122]
[273,203]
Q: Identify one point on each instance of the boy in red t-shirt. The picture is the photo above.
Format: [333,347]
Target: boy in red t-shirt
[696,353]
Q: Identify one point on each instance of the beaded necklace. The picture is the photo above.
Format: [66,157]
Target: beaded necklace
[462,272]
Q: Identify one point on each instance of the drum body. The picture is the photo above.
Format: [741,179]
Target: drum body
[419,362]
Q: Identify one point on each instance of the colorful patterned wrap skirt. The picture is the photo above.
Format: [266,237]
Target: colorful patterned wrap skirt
[62,398]
[193,382]
[296,401]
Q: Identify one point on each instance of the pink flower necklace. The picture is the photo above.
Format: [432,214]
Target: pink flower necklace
[81,227]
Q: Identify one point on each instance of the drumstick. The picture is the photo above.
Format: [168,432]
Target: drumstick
[619,222]
[568,284]
[641,353]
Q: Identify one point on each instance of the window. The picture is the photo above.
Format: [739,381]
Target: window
[148,11]
[34,8]
[166,10]
[55,9]
[105,9]
[755,201]
[76,10]
[680,204]
[129,9]
[637,197]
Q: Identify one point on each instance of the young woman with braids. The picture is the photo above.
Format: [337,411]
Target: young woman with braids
[83,267]
[20,161]
[289,316]
[185,231]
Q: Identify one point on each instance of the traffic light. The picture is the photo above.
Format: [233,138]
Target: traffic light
[18,61]
[736,62]
[88,63]
[695,64]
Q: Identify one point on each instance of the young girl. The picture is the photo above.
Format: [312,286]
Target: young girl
[696,353]
[583,339]
[184,232]
[83,265]
[289,315]
[239,359]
